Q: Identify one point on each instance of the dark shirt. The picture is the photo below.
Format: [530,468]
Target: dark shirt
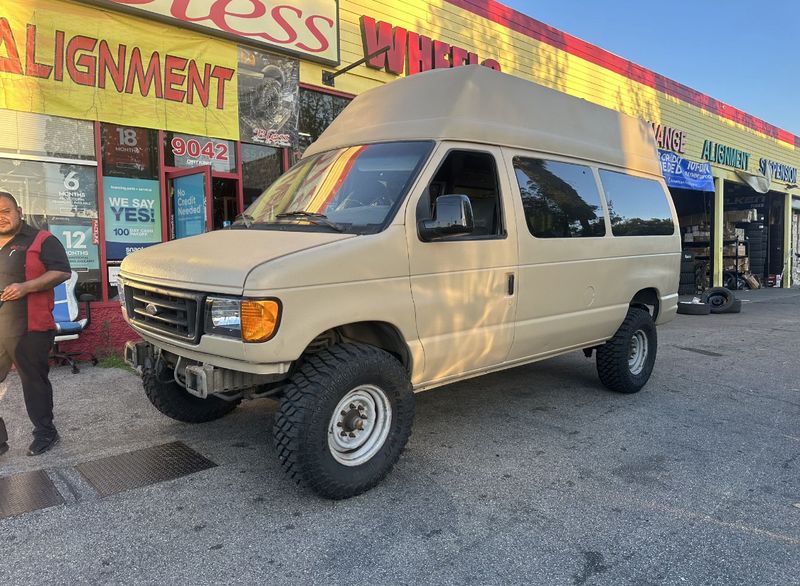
[14,314]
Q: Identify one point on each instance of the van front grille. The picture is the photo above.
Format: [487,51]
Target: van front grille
[170,312]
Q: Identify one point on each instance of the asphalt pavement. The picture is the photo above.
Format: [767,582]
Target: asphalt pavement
[535,475]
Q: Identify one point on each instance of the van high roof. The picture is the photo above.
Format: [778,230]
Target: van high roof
[476,104]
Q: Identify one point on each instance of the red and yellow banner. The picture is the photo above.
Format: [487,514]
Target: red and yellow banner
[81,62]
[307,28]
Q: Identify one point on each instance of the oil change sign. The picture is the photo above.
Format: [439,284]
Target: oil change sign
[132,215]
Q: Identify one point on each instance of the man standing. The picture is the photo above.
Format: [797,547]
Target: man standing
[32,263]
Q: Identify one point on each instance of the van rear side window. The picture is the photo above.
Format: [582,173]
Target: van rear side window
[561,200]
[637,206]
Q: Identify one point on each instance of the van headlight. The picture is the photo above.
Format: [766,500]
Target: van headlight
[251,320]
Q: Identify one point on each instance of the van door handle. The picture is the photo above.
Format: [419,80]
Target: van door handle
[510,284]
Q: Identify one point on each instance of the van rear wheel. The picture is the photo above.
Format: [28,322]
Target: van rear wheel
[344,419]
[625,362]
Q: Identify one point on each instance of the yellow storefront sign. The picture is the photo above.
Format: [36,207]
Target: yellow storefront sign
[70,60]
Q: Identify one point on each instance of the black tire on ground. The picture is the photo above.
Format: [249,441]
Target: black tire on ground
[687,290]
[329,393]
[718,298]
[735,307]
[625,362]
[687,308]
[174,401]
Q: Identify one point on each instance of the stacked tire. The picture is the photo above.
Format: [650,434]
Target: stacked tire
[756,234]
[688,282]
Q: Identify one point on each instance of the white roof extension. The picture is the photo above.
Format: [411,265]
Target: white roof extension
[476,104]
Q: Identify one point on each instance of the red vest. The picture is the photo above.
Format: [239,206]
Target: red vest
[40,303]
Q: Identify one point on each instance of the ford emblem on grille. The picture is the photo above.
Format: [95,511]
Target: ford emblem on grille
[151,309]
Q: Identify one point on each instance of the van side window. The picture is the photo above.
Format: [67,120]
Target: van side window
[637,206]
[560,200]
[473,174]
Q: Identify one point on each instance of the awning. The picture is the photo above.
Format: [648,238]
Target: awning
[684,174]
[758,183]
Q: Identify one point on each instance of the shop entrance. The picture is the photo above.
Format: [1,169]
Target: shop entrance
[188,194]
[752,238]
[199,202]
[224,201]
[758,221]
[695,211]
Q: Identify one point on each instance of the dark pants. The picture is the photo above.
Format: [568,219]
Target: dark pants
[30,354]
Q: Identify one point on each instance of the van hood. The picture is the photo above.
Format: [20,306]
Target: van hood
[218,261]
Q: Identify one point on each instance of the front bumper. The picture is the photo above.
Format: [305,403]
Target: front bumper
[201,379]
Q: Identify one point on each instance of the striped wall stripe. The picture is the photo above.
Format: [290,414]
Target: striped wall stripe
[516,21]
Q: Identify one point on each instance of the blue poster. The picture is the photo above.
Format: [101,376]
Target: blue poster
[83,255]
[132,215]
[189,205]
[683,174]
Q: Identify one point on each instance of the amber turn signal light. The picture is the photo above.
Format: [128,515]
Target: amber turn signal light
[259,319]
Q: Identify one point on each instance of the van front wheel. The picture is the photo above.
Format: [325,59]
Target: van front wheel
[344,419]
[176,402]
[625,362]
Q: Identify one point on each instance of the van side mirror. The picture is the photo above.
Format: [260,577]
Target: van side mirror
[452,217]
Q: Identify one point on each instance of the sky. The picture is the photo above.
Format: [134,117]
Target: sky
[746,54]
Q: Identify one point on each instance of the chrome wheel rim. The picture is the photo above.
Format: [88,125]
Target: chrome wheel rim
[360,425]
[637,355]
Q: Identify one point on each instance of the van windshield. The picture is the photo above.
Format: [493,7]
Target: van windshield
[354,190]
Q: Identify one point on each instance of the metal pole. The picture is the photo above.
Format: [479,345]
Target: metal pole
[718,231]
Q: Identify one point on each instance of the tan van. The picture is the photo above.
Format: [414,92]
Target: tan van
[446,225]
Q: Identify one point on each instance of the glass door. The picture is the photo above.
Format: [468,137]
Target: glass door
[189,200]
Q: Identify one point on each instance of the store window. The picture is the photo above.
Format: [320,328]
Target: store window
[637,206]
[57,193]
[560,200]
[317,111]
[131,194]
[186,150]
[261,165]
[129,152]
[41,136]
[60,198]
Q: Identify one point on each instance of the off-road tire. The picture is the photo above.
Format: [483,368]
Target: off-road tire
[174,401]
[613,365]
[308,404]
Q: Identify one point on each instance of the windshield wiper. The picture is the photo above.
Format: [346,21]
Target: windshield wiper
[245,219]
[313,217]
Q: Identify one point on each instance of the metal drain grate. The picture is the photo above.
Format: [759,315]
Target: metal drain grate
[142,468]
[27,492]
